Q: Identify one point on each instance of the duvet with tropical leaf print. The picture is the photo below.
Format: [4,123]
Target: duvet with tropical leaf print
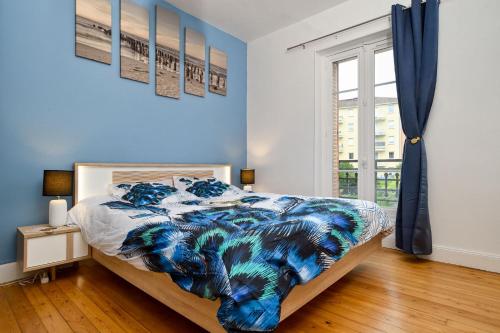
[249,250]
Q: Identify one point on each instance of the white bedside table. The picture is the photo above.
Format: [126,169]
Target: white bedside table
[40,247]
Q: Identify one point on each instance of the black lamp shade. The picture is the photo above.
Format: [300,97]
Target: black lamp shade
[57,183]
[247,176]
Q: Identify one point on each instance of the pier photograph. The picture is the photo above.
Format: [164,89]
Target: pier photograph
[93,30]
[134,41]
[194,63]
[167,53]
[217,82]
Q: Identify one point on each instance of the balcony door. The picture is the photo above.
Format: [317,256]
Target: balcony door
[366,135]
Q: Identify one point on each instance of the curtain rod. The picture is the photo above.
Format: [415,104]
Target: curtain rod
[303,44]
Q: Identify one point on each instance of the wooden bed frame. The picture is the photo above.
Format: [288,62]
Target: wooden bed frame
[160,286]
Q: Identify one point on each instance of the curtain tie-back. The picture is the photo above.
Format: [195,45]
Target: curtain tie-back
[415,140]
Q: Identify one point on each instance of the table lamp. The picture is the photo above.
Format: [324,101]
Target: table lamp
[247,178]
[57,183]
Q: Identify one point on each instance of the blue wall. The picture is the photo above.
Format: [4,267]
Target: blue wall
[56,109]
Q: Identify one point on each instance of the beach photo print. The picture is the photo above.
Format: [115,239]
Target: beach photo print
[93,30]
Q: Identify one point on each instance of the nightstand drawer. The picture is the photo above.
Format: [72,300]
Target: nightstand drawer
[45,250]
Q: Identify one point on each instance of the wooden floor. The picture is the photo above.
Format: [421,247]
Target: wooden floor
[389,293]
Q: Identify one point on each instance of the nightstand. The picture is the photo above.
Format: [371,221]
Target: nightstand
[41,246]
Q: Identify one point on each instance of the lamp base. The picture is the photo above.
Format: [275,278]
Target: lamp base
[248,188]
[58,211]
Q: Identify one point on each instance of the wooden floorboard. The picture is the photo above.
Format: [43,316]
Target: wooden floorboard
[8,322]
[76,319]
[26,316]
[50,317]
[390,292]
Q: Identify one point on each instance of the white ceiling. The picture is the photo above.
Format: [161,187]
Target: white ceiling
[251,19]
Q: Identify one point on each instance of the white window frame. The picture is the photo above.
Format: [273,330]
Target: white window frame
[364,49]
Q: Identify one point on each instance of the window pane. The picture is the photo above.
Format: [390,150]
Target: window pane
[348,148]
[384,67]
[389,137]
[348,75]
[387,91]
[345,109]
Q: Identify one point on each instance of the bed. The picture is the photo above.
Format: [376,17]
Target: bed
[92,181]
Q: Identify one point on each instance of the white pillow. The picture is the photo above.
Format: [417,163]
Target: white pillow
[144,194]
[207,187]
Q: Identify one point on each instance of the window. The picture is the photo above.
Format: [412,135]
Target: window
[364,84]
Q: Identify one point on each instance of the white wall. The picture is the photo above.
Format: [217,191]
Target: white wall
[463,136]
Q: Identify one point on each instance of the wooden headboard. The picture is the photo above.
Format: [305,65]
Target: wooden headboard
[92,179]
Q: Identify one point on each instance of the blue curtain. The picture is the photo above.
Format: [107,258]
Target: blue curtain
[415,40]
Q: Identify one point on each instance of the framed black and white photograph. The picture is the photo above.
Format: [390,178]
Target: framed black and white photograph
[217,82]
[134,41]
[194,63]
[93,30]
[167,53]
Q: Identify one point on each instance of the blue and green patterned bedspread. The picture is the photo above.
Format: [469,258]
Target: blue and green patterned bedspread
[248,250]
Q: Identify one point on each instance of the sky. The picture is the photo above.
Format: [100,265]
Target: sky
[384,72]
[96,10]
[167,28]
[195,44]
[384,67]
[218,58]
[134,19]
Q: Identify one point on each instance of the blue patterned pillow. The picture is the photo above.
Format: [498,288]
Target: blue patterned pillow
[144,194]
[205,187]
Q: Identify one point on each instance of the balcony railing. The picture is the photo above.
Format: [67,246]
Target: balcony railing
[388,180]
[348,179]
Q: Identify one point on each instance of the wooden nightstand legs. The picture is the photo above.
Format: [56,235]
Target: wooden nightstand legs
[52,273]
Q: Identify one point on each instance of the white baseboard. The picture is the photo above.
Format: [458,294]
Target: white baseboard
[450,255]
[11,272]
